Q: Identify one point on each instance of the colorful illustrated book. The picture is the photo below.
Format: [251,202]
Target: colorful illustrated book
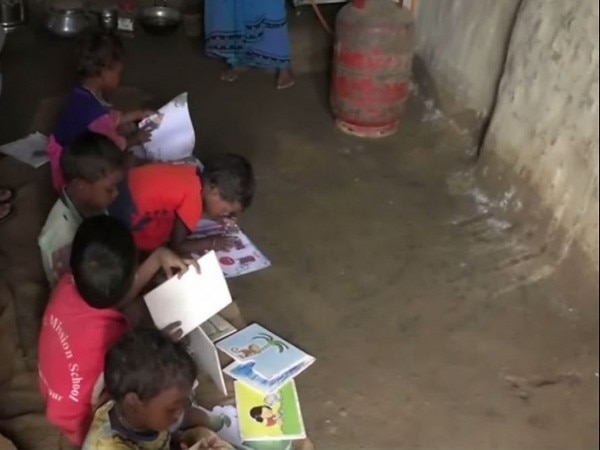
[269,417]
[242,259]
[204,353]
[224,421]
[262,359]
[173,137]
[217,328]
[191,299]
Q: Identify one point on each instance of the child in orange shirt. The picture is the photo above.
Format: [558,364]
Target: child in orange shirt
[162,203]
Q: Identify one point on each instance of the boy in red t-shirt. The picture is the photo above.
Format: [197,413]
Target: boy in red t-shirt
[162,203]
[86,315]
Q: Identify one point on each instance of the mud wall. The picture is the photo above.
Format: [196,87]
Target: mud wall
[463,46]
[543,135]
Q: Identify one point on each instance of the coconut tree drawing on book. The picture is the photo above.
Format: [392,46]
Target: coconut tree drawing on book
[266,342]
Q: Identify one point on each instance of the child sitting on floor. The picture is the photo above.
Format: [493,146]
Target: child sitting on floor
[162,204]
[86,315]
[99,67]
[150,380]
[93,166]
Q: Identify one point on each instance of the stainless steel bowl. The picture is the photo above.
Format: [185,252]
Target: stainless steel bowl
[160,19]
[67,22]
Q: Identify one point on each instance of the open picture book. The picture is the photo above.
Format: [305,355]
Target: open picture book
[242,259]
[262,359]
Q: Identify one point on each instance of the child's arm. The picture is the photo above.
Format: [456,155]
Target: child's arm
[160,258]
[184,246]
[135,116]
[121,128]
[106,126]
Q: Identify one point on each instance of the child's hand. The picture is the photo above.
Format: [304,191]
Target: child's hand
[173,331]
[212,443]
[126,129]
[136,116]
[222,243]
[169,261]
[229,224]
[139,137]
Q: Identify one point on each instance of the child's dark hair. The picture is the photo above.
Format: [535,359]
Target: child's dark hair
[233,175]
[90,158]
[103,261]
[256,413]
[97,52]
[146,362]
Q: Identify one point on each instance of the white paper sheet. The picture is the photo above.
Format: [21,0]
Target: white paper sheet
[205,356]
[242,259]
[192,299]
[173,136]
[31,150]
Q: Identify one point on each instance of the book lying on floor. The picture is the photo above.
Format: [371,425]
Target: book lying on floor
[269,417]
[173,137]
[31,150]
[191,299]
[217,328]
[242,259]
[262,359]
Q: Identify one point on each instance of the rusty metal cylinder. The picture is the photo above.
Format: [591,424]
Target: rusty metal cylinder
[374,48]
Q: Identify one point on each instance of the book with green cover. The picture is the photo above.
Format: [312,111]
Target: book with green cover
[272,417]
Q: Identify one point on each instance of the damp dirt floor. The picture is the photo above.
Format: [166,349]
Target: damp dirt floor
[436,323]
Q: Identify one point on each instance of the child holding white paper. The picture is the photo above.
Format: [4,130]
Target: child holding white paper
[89,310]
[99,68]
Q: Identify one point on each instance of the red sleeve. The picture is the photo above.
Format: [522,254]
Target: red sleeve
[190,209]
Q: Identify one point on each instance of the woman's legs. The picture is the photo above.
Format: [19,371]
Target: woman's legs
[285,78]
[249,33]
[232,73]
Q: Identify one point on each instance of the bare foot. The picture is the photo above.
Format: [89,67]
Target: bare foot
[285,79]
[233,73]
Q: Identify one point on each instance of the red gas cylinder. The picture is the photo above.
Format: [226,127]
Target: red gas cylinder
[372,66]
